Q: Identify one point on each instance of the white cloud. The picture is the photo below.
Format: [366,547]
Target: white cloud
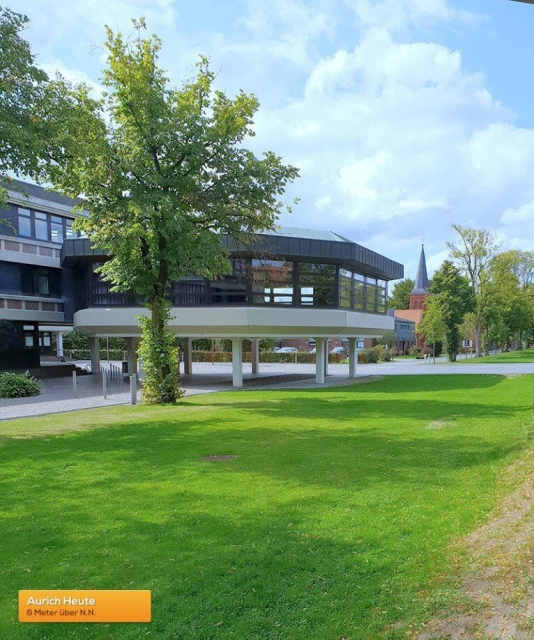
[394,138]
[399,14]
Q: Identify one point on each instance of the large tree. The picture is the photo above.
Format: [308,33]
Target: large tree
[473,252]
[22,86]
[453,295]
[163,172]
[400,296]
[510,302]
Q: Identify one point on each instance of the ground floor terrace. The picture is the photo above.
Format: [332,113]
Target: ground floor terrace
[238,324]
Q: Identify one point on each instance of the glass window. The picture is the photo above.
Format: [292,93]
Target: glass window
[359,292]
[25,223]
[371,292]
[56,229]
[317,284]
[345,289]
[28,341]
[272,281]
[26,280]
[42,281]
[382,302]
[69,232]
[41,226]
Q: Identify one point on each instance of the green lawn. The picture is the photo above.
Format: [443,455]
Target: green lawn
[512,357]
[334,520]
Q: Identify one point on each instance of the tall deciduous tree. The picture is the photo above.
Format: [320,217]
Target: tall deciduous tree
[432,325]
[22,86]
[510,305]
[473,252]
[453,295]
[163,172]
[400,296]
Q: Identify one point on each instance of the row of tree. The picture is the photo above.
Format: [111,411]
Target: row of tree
[479,294]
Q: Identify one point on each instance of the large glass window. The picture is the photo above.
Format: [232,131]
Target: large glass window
[69,233]
[41,226]
[371,294]
[25,223]
[317,284]
[345,289]
[56,228]
[272,281]
[42,282]
[382,289]
[359,292]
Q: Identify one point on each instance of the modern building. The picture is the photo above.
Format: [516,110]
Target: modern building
[288,283]
[404,333]
[418,298]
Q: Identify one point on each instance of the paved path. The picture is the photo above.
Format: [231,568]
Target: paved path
[57,393]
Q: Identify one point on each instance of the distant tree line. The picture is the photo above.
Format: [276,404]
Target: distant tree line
[481,294]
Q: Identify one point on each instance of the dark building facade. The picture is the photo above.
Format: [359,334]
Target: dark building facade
[49,281]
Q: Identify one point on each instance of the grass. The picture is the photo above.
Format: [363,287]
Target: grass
[334,520]
[511,357]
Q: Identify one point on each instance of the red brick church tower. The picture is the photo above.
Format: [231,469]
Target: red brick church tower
[420,291]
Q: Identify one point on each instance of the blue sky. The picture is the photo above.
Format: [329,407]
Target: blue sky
[403,115]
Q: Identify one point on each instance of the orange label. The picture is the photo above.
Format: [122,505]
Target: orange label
[50,605]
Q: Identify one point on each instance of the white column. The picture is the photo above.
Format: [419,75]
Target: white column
[59,341]
[188,355]
[237,362]
[131,346]
[320,348]
[326,356]
[255,354]
[94,346]
[353,357]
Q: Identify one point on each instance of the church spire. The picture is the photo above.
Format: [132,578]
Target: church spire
[421,279]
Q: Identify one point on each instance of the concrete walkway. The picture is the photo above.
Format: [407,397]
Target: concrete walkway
[57,394]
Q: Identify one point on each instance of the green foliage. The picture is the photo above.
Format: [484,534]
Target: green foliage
[510,308]
[22,87]
[202,344]
[385,353]
[160,356]
[18,385]
[400,296]
[432,325]
[473,252]
[75,339]
[454,297]
[163,172]
[388,339]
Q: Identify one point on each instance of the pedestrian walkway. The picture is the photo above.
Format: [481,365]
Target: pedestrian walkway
[57,393]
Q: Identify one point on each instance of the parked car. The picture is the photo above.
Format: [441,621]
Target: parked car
[340,350]
[287,350]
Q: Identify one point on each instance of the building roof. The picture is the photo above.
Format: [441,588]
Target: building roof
[308,234]
[414,315]
[421,279]
[27,189]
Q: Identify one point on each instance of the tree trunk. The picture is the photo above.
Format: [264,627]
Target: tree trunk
[160,356]
[478,341]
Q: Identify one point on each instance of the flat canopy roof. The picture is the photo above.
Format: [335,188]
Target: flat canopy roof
[287,243]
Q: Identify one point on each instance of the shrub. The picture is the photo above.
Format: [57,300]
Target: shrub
[372,355]
[363,357]
[384,354]
[18,385]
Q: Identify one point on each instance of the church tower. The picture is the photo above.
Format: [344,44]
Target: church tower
[420,291]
